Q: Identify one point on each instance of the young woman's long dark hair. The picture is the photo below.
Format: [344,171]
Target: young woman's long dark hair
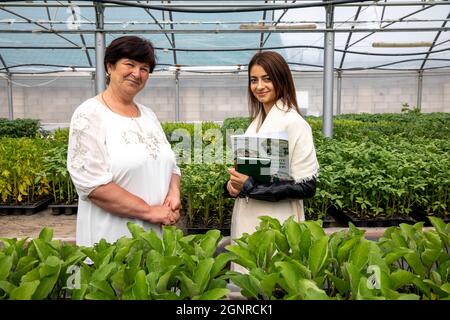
[280,75]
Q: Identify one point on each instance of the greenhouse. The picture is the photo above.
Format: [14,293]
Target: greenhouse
[372,82]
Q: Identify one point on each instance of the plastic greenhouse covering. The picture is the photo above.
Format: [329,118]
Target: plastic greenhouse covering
[52,36]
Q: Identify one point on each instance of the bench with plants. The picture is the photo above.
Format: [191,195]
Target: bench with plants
[378,170]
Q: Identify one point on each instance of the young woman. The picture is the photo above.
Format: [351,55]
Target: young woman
[273,108]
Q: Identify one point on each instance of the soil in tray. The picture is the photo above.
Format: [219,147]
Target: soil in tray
[26,209]
[67,209]
[198,226]
[422,216]
[373,222]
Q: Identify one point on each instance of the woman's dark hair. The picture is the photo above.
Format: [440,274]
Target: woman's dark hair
[130,47]
[279,73]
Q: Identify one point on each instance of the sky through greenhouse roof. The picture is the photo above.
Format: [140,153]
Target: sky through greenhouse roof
[50,36]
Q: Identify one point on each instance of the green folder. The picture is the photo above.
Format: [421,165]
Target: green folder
[258,168]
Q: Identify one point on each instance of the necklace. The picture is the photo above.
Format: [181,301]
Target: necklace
[106,104]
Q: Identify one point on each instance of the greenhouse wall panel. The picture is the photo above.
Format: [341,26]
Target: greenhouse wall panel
[214,98]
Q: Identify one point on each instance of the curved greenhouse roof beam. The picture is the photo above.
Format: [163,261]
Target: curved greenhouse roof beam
[200,31]
[243,49]
[235,8]
[442,42]
[88,57]
[349,38]
[261,43]
[5,67]
[276,23]
[391,23]
[41,65]
[302,47]
[171,41]
[39,25]
[393,63]
[433,45]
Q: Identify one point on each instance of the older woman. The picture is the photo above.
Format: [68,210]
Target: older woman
[118,157]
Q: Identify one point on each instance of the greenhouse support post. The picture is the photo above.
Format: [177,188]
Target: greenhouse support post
[328,68]
[10,97]
[177,95]
[339,92]
[100,74]
[419,89]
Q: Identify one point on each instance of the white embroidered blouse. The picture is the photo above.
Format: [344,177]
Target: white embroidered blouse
[131,152]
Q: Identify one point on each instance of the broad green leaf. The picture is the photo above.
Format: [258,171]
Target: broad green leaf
[446,287]
[436,289]
[409,296]
[317,231]
[429,256]
[103,287]
[135,229]
[393,256]
[220,262]
[153,261]
[434,240]
[98,295]
[399,240]
[345,247]
[123,250]
[209,242]
[46,234]
[310,291]
[262,244]
[293,234]
[341,285]
[268,283]
[213,294]
[188,287]
[103,272]
[134,259]
[290,274]
[281,242]
[118,281]
[364,292]
[242,281]
[7,286]
[415,263]
[153,240]
[49,272]
[5,266]
[169,240]
[442,229]
[304,245]
[163,281]
[202,273]
[400,278]
[140,287]
[318,255]
[360,254]
[245,257]
[355,276]
[41,249]
[25,291]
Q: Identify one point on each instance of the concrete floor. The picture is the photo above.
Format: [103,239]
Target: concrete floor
[21,226]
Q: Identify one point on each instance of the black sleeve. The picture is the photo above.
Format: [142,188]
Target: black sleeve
[276,191]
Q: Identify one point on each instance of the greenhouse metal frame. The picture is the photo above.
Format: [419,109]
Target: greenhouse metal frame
[183,29]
